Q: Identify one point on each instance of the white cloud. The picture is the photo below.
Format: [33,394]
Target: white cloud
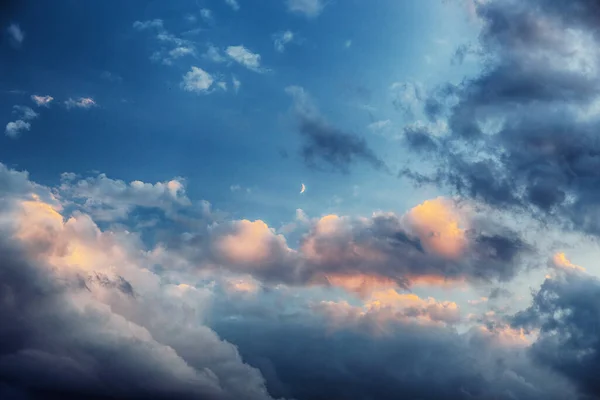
[197,80]
[214,55]
[310,8]
[13,129]
[236,83]
[42,100]
[82,102]
[281,39]
[222,85]
[181,51]
[16,34]
[245,57]
[142,25]
[233,4]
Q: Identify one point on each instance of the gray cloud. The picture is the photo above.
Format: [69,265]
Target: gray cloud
[567,313]
[326,144]
[522,132]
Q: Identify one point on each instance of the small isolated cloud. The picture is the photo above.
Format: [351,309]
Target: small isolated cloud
[236,83]
[326,144]
[206,15]
[82,102]
[347,44]
[214,54]
[13,129]
[281,39]
[233,4]
[245,57]
[16,34]
[42,101]
[181,51]
[309,8]
[380,126]
[197,80]
[150,24]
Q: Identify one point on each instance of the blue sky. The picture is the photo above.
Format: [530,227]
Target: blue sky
[154,242]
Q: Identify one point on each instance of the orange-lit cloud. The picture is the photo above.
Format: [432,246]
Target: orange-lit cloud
[438,227]
[560,260]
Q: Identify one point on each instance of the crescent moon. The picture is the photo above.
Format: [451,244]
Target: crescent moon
[303,189]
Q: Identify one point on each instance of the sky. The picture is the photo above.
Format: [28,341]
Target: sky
[299,199]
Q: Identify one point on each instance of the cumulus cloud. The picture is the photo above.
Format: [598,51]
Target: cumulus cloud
[87,318]
[82,102]
[42,101]
[281,39]
[528,114]
[17,36]
[325,143]
[245,57]
[308,8]
[14,128]
[197,80]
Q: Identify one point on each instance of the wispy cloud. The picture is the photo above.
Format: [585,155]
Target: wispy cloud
[214,54]
[245,57]
[233,4]
[14,128]
[281,39]
[309,8]
[171,47]
[236,84]
[82,102]
[17,36]
[42,101]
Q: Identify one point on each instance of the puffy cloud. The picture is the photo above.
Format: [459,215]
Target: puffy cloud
[325,143]
[528,115]
[82,102]
[560,260]
[108,199]
[281,39]
[42,100]
[245,57]
[17,36]
[197,80]
[14,128]
[309,8]
[87,318]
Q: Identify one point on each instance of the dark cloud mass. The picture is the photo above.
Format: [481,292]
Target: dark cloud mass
[523,133]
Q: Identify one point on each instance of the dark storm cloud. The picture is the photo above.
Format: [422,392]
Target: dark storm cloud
[566,310]
[307,361]
[326,146]
[523,132]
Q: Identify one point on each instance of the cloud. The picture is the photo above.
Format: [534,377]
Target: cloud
[14,128]
[17,36]
[348,44]
[528,115]
[214,54]
[281,39]
[42,101]
[24,114]
[82,102]
[325,143]
[88,319]
[150,24]
[309,8]
[245,57]
[233,4]
[565,312]
[206,14]
[197,80]
[236,84]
